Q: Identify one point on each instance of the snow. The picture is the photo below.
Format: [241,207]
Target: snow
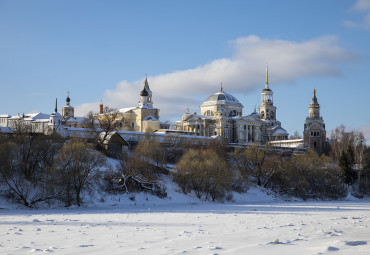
[254,223]
[124,110]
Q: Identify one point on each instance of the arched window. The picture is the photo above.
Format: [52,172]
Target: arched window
[233,113]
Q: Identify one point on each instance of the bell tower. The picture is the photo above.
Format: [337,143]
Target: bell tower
[314,134]
[267,110]
[67,110]
[146,95]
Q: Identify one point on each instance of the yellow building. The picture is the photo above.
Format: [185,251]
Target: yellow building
[144,118]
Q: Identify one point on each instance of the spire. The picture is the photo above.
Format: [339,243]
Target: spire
[146,85]
[68,99]
[146,81]
[221,86]
[56,104]
[314,106]
[267,76]
[146,94]
[314,98]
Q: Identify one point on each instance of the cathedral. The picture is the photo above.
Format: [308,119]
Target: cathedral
[221,114]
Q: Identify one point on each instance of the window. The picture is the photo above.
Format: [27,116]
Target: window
[132,124]
[232,113]
[209,113]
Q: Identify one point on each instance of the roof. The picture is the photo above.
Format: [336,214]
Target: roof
[110,135]
[222,96]
[280,131]
[124,110]
[15,117]
[150,117]
[76,119]
[56,114]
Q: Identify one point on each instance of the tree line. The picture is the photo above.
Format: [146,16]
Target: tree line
[47,169]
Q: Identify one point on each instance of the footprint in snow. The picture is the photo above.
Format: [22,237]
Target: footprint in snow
[331,248]
[85,245]
[355,243]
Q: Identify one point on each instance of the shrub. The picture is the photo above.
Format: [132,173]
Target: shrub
[205,173]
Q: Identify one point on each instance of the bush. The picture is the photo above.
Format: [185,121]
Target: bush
[308,176]
[205,173]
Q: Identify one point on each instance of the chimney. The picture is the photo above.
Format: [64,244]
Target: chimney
[101,108]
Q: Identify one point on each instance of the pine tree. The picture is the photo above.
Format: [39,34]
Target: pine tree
[346,163]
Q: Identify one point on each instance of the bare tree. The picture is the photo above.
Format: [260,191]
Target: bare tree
[25,166]
[103,125]
[76,166]
[296,135]
[342,139]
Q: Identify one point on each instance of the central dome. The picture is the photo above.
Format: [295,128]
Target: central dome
[221,96]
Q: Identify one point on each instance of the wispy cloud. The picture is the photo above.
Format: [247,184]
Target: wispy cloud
[243,72]
[363,7]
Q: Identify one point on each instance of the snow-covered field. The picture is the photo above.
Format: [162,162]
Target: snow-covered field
[254,224]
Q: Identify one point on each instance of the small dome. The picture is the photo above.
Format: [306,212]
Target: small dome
[144,93]
[255,114]
[266,89]
[68,100]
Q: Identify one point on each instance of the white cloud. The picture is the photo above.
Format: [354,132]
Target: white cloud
[362,6]
[241,73]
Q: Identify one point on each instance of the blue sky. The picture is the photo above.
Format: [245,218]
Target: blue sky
[101,50]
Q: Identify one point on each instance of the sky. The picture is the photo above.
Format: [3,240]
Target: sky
[102,50]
